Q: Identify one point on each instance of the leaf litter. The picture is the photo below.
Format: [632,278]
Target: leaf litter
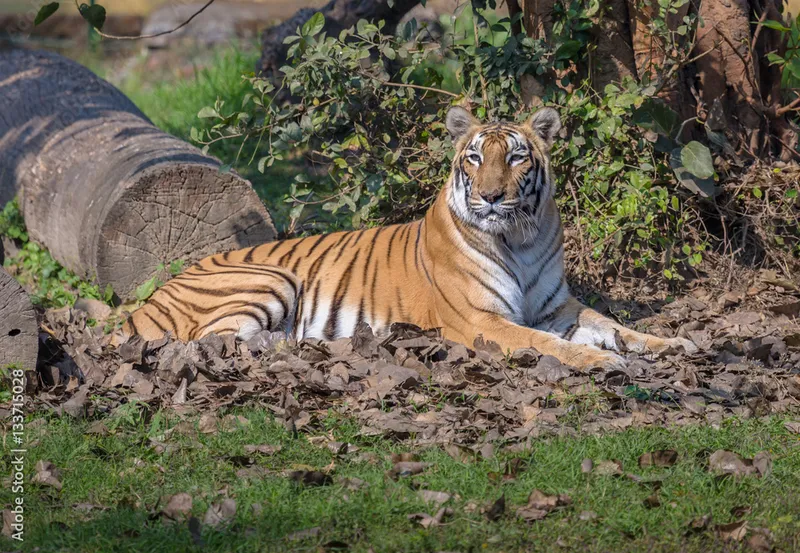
[414,384]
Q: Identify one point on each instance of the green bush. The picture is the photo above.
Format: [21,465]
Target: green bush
[49,284]
[369,107]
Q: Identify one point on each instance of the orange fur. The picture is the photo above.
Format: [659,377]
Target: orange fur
[487,259]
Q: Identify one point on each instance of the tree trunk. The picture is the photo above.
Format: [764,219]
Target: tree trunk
[339,15]
[108,194]
[19,331]
[738,92]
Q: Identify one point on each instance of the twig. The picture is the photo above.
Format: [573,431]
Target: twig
[793,106]
[420,87]
[154,35]
[582,257]
[480,67]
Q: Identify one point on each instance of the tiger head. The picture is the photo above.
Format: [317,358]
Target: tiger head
[501,170]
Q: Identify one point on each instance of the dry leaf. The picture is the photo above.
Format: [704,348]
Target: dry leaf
[792,426]
[263,449]
[734,531]
[652,501]
[426,521]
[586,466]
[727,462]
[540,505]
[608,468]
[437,498]
[659,458]
[311,477]
[219,513]
[407,468]
[497,509]
[209,424]
[47,475]
[179,506]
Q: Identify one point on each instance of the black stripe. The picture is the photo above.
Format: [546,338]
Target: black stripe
[275,247]
[407,232]
[344,246]
[371,251]
[164,311]
[360,311]
[315,302]
[444,297]
[248,258]
[373,316]
[332,325]
[178,303]
[360,234]
[496,293]
[319,240]
[133,325]
[416,244]
[227,316]
[391,241]
[552,296]
[571,331]
[155,322]
[531,284]
[315,267]
[252,269]
[288,255]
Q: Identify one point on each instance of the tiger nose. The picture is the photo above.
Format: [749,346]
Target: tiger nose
[493,197]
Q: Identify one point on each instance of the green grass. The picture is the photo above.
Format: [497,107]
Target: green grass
[101,471]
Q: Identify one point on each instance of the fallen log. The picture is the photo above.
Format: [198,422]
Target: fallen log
[109,194]
[19,331]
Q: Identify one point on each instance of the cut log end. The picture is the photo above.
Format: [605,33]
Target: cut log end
[19,331]
[183,212]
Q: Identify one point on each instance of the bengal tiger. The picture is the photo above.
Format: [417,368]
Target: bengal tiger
[486,259]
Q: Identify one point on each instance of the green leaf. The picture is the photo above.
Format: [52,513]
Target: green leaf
[696,158]
[776,25]
[146,289]
[176,267]
[774,58]
[208,112]
[703,187]
[45,11]
[95,15]
[657,116]
[568,50]
[314,25]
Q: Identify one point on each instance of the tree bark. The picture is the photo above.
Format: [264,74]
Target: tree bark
[19,331]
[737,91]
[109,194]
[339,15]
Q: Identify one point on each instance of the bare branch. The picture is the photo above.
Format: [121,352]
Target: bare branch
[154,35]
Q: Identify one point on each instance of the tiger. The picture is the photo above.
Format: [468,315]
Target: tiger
[486,260]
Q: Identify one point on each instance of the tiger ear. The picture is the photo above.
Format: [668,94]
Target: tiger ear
[546,123]
[458,122]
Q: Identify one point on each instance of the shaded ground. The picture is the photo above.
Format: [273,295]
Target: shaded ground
[413,383]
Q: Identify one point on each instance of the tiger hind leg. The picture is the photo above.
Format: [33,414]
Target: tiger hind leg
[582,325]
[216,296]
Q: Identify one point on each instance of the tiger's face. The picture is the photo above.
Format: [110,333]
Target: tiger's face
[501,172]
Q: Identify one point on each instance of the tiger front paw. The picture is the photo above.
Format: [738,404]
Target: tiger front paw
[676,345]
[590,357]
